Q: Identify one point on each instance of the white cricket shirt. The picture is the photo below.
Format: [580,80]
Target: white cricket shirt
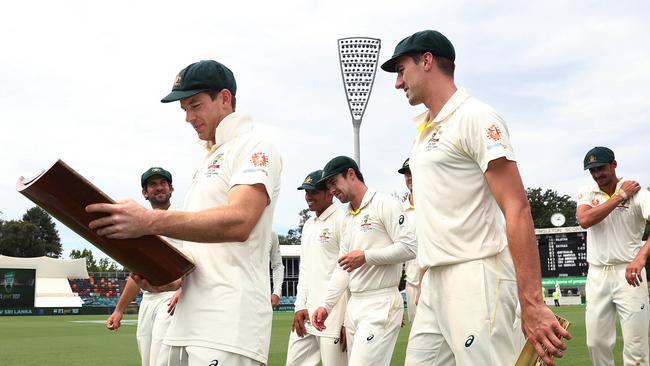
[225,301]
[381,230]
[458,219]
[411,268]
[319,245]
[616,239]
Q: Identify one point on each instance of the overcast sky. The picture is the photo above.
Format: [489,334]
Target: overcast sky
[82,81]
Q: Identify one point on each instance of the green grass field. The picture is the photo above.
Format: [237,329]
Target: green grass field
[77,340]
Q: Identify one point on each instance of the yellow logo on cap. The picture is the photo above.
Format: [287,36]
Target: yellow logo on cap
[155,170]
[308,180]
[592,158]
[177,82]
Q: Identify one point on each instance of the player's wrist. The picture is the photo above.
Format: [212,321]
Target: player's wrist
[621,193]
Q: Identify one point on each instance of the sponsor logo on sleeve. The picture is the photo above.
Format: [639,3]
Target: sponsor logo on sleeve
[259,159]
[401,219]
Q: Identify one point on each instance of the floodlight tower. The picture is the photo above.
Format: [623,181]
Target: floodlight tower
[358,57]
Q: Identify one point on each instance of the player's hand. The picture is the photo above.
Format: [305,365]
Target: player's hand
[544,331]
[299,320]
[343,338]
[114,321]
[318,318]
[126,219]
[630,188]
[144,284]
[275,301]
[172,302]
[633,271]
[352,260]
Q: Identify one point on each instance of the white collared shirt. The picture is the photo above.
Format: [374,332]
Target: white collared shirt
[225,303]
[617,238]
[320,247]
[379,227]
[458,218]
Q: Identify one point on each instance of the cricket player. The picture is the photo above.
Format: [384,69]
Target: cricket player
[319,245]
[277,270]
[474,225]
[411,268]
[376,241]
[614,211]
[223,316]
[155,308]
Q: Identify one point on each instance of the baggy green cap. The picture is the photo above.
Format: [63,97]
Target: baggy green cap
[598,156]
[199,77]
[155,171]
[311,181]
[405,167]
[420,42]
[335,166]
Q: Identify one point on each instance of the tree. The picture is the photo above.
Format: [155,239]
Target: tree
[294,235]
[91,263]
[544,204]
[47,232]
[104,264]
[20,239]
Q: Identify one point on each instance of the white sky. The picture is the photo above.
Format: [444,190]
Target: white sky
[82,81]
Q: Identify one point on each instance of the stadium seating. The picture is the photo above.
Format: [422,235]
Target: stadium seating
[101,288]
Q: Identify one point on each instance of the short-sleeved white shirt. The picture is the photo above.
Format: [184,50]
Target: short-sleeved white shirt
[225,301]
[616,239]
[320,240]
[458,219]
[411,268]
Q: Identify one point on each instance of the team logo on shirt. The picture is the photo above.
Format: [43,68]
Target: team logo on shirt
[325,236]
[259,159]
[493,132]
[434,140]
[365,223]
[215,166]
[595,202]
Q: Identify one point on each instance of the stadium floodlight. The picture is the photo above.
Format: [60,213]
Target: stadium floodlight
[358,57]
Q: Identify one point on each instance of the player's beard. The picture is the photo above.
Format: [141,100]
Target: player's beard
[161,199]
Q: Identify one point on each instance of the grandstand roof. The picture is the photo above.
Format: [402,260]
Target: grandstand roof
[48,267]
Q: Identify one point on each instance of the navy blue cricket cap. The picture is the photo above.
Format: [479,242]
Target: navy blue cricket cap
[311,181]
[199,77]
[598,156]
[421,42]
[337,165]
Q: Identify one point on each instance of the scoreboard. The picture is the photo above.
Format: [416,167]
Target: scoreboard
[562,251]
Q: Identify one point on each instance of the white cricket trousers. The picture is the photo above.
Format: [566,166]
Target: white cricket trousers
[372,322]
[204,356]
[466,315]
[153,321]
[312,349]
[609,295]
